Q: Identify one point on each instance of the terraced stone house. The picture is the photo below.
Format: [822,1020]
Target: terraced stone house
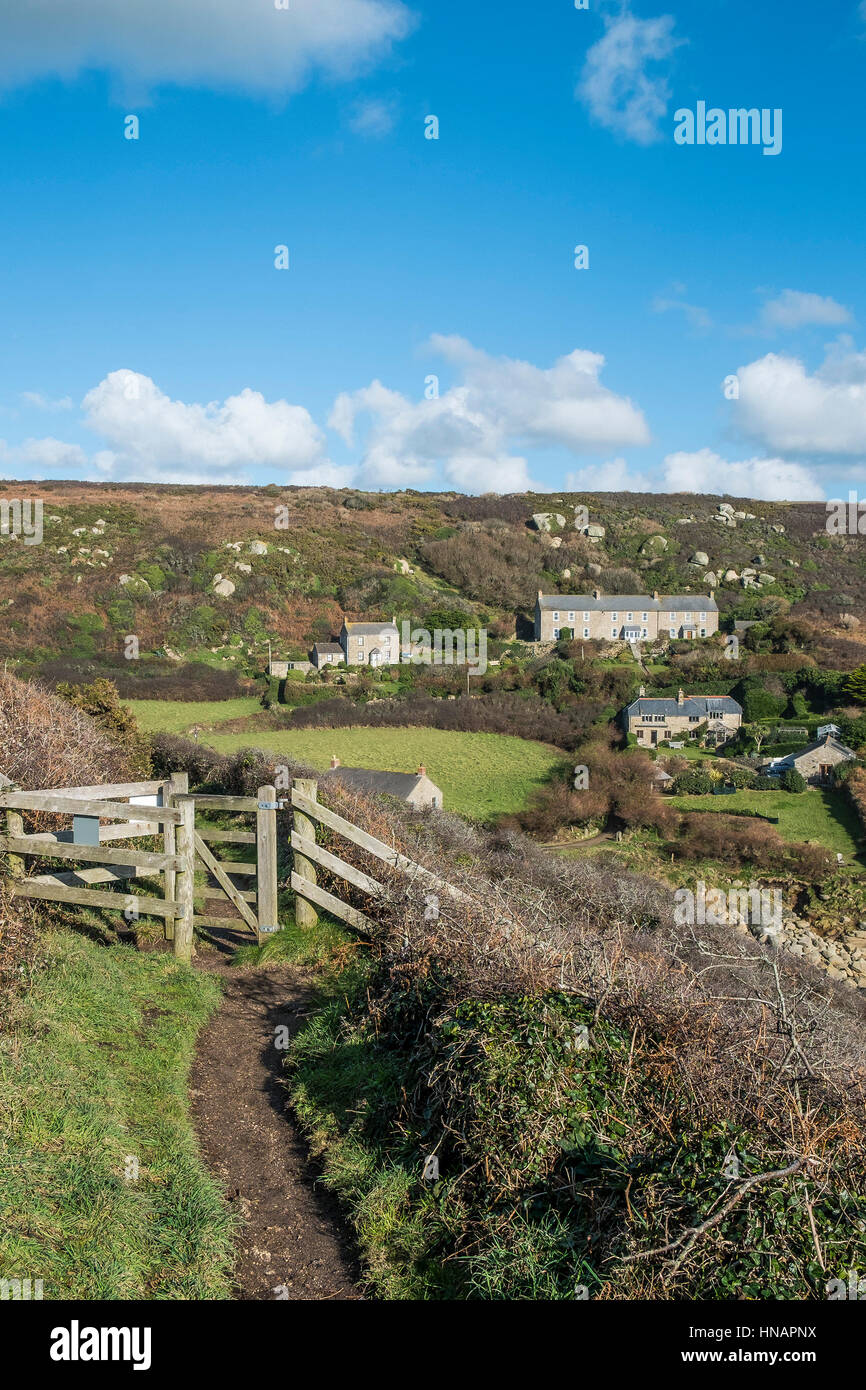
[625,617]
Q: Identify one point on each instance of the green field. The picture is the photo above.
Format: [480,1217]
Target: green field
[481,775]
[825,816]
[179,716]
[103,1193]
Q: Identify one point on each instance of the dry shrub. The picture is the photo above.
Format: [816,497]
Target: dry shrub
[729,1043]
[735,840]
[45,742]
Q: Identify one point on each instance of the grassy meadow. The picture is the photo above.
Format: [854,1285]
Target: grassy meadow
[481,775]
[94,1067]
[816,814]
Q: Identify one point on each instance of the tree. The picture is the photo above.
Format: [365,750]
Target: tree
[855,684]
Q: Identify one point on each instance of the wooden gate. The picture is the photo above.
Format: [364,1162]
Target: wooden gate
[256,907]
[163,807]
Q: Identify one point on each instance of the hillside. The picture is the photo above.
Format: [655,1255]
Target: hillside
[153,561]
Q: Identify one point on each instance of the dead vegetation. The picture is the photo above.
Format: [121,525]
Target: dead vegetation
[707,1142]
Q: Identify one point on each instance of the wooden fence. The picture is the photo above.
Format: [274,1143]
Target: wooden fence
[307,854]
[163,808]
[167,808]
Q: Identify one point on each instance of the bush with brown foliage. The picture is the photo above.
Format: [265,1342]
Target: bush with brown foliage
[740,843]
[619,790]
[503,713]
[47,742]
[703,1045]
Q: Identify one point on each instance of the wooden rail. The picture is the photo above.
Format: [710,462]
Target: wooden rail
[307,854]
[171,814]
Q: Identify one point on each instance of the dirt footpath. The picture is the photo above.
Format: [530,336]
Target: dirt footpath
[291,1243]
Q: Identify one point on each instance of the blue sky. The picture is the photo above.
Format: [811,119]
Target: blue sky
[148,334]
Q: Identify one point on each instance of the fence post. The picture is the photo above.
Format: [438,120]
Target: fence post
[185,883]
[177,782]
[266,865]
[305,914]
[15,826]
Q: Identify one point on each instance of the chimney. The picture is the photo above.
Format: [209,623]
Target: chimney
[335,761]
[642,691]
[422,771]
[681,699]
[596,593]
[655,595]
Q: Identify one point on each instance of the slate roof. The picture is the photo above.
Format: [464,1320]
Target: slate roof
[365,779]
[370,629]
[328,649]
[829,742]
[621,603]
[704,706]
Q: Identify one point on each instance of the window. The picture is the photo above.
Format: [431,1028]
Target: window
[629,617]
[688,617]
[694,719]
[614,617]
[360,641]
[571,617]
[673,632]
[644,616]
[556,634]
[586,616]
[556,617]
[703,632]
[703,617]
[613,632]
[643,632]
[586,632]
[672,617]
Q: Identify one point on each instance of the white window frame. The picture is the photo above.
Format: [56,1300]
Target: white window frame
[586,615]
[586,632]
[556,616]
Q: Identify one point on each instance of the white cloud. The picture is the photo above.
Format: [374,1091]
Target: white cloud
[43,455]
[37,401]
[471,430]
[621,92]
[226,44]
[154,436]
[696,316]
[792,411]
[772,479]
[613,476]
[372,118]
[794,309]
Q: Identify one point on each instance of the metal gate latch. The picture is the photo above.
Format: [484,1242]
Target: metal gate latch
[271,805]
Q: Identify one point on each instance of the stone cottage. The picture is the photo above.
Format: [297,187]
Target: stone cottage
[416,789]
[815,763]
[654,721]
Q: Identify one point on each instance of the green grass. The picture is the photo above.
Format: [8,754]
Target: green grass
[179,716]
[481,775]
[94,1069]
[815,814]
